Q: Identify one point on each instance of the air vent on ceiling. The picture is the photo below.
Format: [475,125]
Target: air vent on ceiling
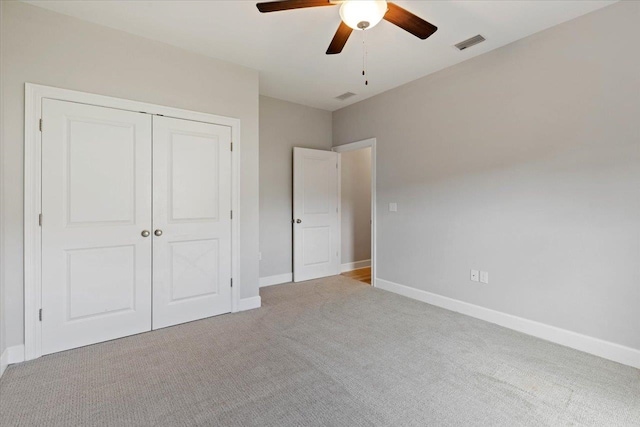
[345,96]
[470,42]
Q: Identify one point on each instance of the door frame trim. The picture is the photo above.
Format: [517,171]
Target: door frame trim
[352,146]
[34,94]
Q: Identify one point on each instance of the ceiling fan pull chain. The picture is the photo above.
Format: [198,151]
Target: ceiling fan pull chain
[366,55]
[364,59]
[363,64]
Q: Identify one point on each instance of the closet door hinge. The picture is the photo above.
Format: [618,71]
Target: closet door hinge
[231,214]
[232,282]
[231,145]
[40,125]
[40,220]
[40,315]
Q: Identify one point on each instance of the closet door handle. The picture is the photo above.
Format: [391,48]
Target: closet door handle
[145,233]
[158,232]
[298,221]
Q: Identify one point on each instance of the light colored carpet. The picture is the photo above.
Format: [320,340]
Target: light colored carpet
[331,352]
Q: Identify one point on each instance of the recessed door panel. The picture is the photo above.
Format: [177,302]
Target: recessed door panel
[100,281]
[194,170]
[96,200]
[192,221]
[315,214]
[101,171]
[194,269]
[316,245]
[318,191]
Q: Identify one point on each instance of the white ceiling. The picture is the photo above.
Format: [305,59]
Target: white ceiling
[288,48]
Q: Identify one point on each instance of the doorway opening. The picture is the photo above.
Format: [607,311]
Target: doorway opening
[355,200]
[357,210]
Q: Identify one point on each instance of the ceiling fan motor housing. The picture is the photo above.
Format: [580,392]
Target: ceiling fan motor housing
[362,14]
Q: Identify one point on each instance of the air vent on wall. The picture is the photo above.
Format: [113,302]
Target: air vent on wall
[470,42]
[345,96]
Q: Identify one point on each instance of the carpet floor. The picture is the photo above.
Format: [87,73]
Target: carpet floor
[330,352]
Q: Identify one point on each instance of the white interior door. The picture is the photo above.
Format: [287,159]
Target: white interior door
[96,201]
[316,242]
[191,220]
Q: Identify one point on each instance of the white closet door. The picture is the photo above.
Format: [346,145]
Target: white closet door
[191,221]
[96,201]
[315,211]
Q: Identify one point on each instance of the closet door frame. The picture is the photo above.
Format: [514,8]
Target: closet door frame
[34,94]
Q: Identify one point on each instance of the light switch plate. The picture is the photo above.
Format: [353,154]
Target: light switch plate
[475,274]
[393,207]
[484,277]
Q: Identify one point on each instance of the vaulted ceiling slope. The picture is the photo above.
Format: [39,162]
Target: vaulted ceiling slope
[288,48]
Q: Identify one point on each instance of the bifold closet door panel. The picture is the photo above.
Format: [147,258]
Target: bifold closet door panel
[191,220]
[96,203]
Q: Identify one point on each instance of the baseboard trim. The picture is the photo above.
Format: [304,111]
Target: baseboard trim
[598,347]
[276,280]
[16,354]
[4,361]
[249,303]
[11,355]
[356,265]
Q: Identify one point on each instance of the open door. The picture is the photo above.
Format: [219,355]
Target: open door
[316,241]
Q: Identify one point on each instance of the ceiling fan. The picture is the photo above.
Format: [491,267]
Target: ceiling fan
[358,15]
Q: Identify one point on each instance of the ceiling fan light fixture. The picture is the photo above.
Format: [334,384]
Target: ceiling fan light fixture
[363,14]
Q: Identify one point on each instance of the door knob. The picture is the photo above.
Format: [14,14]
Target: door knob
[158,232]
[298,221]
[145,233]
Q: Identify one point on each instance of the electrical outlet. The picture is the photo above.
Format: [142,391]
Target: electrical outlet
[393,207]
[474,275]
[484,277]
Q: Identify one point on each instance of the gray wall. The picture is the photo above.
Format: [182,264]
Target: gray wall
[524,162]
[355,204]
[44,47]
[3,317]
[283,125]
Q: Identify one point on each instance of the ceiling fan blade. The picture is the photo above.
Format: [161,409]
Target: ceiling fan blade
[409,22]
[339,39]
[276,6]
